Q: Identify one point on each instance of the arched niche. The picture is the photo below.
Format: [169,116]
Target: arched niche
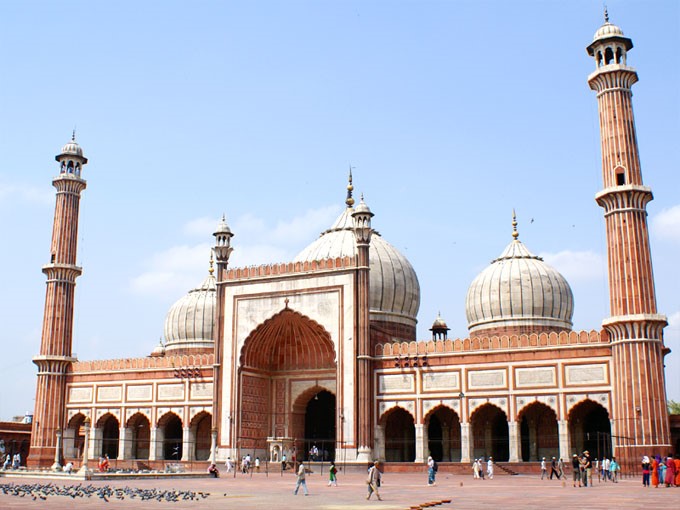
[489,430]
[538,432]
[400,435]
[443,434]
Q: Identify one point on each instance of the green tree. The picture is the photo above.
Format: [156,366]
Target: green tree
[673,407]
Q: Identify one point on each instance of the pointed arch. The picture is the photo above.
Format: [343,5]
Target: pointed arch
[288,340]
[199,435]
[443,434]
[590,428]
[74,436]
[139,436]
[109,430]
[538,431]
[169,432]
[489,428]
[400,435]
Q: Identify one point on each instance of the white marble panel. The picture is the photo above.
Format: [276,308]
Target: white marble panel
[171,391]
[137,393]
[396,383]
[484,379]
[586,374]
[538,376]
[441,381]
[200,390]
[80,395]
[109,394]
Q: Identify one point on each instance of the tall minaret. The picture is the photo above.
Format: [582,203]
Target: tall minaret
[55,355]
[222,250]
[639,414]
[364,388]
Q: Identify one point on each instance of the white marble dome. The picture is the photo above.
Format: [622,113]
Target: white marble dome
[72,148]
[395,291]
[607,30]
[519,290]
[190,321]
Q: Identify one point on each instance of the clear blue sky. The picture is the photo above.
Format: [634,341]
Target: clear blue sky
[452,113]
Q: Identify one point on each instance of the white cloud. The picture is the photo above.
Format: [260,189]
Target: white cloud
[14,192]
[200,227]
[174,271]
[178,269]
[666,224]
[578,266]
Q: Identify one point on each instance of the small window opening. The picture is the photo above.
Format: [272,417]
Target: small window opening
[599,59]
[52,258]
[70,167]
[619,55]
[63,167]
[620,176]
[608,56]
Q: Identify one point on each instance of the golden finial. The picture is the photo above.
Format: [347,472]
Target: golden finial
[211,270]
[606,14]
[350,201]
[515,234]
[73,136]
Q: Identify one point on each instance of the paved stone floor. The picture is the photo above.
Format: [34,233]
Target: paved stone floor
[399,491]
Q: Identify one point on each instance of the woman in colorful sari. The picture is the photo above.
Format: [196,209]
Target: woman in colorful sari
[670,472]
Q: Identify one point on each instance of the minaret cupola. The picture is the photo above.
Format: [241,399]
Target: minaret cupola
[223,237]
[71,159]
[609,45]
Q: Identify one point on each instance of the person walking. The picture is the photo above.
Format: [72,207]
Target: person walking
[373,480]
[489,468]
[553,469]
[560,469]
[431,471]
[332,475]
[229,464]
[613,470]
[670,471]
[475,470]
[544,469]
[301,472]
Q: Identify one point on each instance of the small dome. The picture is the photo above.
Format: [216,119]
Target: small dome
[362,208]
[439,323]
[190,321]
[517,293]
[222,227]
[394,287]
[159,350]
[607,30]
[72,148]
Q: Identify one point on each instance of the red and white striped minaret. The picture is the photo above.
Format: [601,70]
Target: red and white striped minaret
[364,383]
[640,414]
[55,355]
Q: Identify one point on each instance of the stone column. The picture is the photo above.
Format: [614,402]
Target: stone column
[515,441]
[187,443]
[57,453]
[379,445]
[446,444]
[213,447]
[465,443]
[563,433]
[153,444]
[96,442]
[421,443]
[84,469]
[124,443]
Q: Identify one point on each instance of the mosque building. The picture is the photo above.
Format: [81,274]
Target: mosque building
[322,350]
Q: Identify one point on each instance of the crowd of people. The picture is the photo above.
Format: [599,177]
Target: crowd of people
[478,468]
[659,470]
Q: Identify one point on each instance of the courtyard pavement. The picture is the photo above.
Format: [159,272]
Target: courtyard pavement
[399,491]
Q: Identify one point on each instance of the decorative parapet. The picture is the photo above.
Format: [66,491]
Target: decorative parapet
[470,345]
[150,363]
[286,268]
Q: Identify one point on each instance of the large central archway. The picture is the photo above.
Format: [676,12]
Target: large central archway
[287,353]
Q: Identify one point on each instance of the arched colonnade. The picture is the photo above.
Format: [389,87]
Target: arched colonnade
[535,432]
[169,439]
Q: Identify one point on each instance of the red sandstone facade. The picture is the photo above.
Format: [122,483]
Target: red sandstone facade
[303,355]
